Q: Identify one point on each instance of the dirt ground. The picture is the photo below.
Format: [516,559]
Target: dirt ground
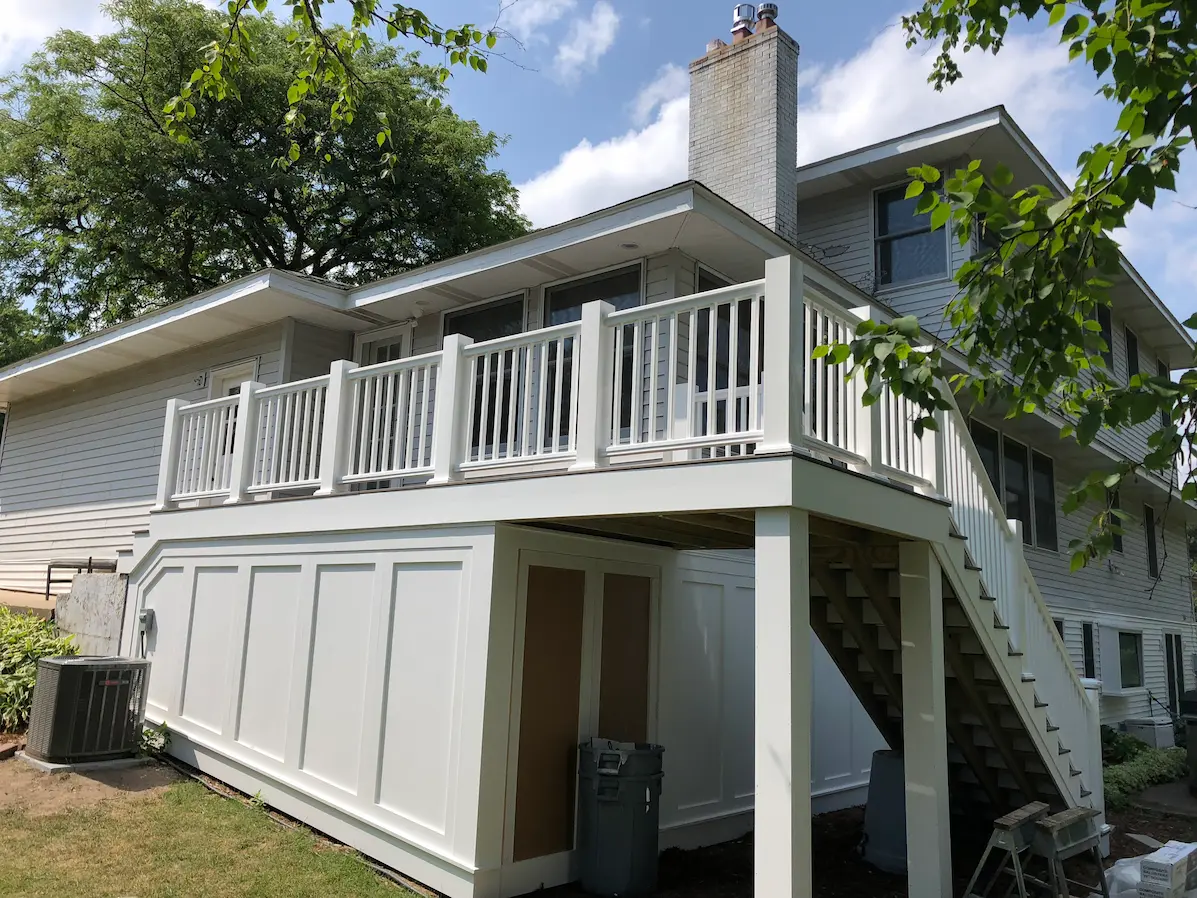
[41,794]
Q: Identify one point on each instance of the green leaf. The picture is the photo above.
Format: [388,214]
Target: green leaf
[940,215]
[1057,13]
[915,188]
[1002,176]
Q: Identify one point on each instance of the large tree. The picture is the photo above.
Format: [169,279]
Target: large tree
[104,213]
[1024,320]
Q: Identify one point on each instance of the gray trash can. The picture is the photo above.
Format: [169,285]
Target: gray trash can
[619,809]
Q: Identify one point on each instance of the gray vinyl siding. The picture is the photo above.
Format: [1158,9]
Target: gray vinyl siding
[80,467]
[1118,593]
[314,349]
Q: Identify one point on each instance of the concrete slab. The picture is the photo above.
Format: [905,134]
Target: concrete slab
[84,766]
[1169,798]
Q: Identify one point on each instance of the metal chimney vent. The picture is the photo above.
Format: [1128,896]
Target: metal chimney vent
[743,17]
[767,11]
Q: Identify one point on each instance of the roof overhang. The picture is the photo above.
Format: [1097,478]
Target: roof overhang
[686,217]
[991,135]
[253,301]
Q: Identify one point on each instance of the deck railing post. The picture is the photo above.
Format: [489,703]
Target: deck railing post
[245,440]
[931,446]
[868,417]
[334,441]
[1018,601]
[785,355]
[168,465]
[449,416]
[595,377]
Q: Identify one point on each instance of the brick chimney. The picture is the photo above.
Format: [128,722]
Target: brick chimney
[744,119]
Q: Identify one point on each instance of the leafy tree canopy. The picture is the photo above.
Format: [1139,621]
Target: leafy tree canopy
[1032,300]
[104,213]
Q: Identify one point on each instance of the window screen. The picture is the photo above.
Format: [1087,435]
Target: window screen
[1132,355]
[1153,559]
[1088,654]
[907,249]
[1044,489]
[1130,659]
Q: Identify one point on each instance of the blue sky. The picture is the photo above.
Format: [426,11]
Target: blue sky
[594,107]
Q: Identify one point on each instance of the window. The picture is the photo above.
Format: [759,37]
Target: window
[987,239]
[1132,354]
[1153,559]
[620,288]
[1088,656]
[1117,522]
[1044,494]
[1130,659]
[488,322]
[1059,622]
[1107,334]
[1162,371]
[227,381]
[1024,481]
[384,345]
[1173,653]
[907,249]
[708,280]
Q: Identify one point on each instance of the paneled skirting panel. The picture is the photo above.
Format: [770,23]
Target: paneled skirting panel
[336,666]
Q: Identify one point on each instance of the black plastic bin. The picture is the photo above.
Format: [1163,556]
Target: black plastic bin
[619,810]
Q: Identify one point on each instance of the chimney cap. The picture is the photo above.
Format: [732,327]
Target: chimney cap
[767,11]
[743,15]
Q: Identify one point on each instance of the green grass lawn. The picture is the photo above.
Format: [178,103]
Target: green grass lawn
[182,842]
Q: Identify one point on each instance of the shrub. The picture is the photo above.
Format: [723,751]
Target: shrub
[24,638]
[1118,747]
[1148,768]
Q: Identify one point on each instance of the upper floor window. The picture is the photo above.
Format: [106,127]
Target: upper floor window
[1153,558]
[488,322]
[907,250]
[1161,370]
[1132,354]
[564,302]
[1107,334]
[1024,481]
[1115,505]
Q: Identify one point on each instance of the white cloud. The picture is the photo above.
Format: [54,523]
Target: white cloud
[24,25]
[879,93]
[526,19]
[588,39]
[672,81]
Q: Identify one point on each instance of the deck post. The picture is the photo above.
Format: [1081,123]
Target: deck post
[449,416]
[169,460]
[924,721]
[785,355]
[245,438]
[782,847]
[594,387]
[334,441]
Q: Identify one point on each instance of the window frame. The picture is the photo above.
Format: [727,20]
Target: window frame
[1088,650]
[879,287]
[404,330]
[1107,334]
[1130,343]
[1174,641]
[480,305]
[219,373]
[1151,537]
[1030,540]
[1111,672]
[546,288]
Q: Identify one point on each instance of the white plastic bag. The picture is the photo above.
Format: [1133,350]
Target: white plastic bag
[1123,878]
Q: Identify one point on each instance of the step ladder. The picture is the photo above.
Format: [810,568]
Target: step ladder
[1029,839]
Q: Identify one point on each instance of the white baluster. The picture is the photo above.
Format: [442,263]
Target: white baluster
[168,466]
[593,353]
[449,424]
[337,420]
[245,443]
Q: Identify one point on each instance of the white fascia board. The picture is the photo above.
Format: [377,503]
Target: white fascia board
[326,295]
[665,204]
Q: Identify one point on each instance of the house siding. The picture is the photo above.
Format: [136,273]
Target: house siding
[313,349]
[80,467]
[1118,593]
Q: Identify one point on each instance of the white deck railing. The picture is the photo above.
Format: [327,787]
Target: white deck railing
[722,374]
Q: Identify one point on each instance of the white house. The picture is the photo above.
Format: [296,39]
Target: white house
[402,546]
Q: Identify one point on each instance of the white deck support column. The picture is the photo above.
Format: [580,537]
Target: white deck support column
[594,387]
[334,442]
[449,416]
[1092,772]
[168,464]
[782,852]
[785,355]
[245,439]
[924,722]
